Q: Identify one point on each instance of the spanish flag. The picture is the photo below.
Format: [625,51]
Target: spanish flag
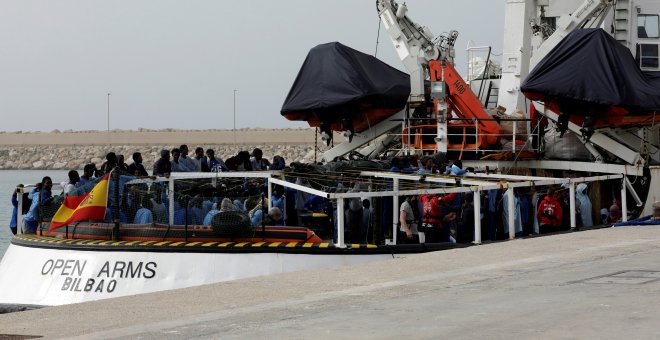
[90,206]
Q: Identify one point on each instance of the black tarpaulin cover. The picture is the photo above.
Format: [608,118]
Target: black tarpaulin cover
[336,81]
[589,65]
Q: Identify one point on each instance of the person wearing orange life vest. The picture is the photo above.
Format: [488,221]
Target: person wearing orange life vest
[435,220]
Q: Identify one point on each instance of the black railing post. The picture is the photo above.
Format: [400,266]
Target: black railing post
[41,211]
[263,219]
[186,203]
[115,206]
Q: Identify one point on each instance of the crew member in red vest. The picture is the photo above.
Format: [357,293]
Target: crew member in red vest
[435,218]
[549,213]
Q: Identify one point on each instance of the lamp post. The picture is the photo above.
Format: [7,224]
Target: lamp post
[108,119]
[235,116]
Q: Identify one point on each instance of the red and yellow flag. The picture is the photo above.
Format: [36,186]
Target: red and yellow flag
[90,206]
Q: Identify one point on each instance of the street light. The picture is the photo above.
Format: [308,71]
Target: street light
[235,116]
[235,109]
[108,119]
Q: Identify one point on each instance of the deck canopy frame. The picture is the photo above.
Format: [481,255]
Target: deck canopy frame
[471,183]
[401,185]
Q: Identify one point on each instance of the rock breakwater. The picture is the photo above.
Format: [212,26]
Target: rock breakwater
[66,157]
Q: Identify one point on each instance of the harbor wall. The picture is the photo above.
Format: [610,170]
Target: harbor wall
[72,150]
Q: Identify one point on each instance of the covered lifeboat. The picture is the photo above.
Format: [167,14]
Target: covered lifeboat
[592,80]
[341,89]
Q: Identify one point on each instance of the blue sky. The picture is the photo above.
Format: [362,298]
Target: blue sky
[175,64]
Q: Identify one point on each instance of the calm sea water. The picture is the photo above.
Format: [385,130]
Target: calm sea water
[8,181]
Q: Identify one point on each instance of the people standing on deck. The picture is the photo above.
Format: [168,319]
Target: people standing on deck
[40,196]
[88,175]
[240,162]
[465,229]
[278,163]
[163,166]
[257,161]
[436,217]
[121,163]
[215,164]
[13,223]
[177,166]
[517,215]
[136,168]
[582,196]
[187,163]
[615,211]
[244,163]
[110,163]
[549,213]
[201,161]
[69,185]
[564,201]
[408,222]
[366,226]
[353,221]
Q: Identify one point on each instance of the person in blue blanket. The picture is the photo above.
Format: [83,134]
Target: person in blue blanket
[14,214]
[40,196]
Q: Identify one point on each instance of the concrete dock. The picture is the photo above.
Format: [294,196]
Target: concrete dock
[601,284]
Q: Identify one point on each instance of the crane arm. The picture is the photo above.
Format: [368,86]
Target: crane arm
[414,44]
[462,97]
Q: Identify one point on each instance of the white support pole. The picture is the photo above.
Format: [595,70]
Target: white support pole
[571,210]
[513,140]
[395,210]
[270,195]
[170,194]
[340,223]
[624,201]
[477,217]
[512,218]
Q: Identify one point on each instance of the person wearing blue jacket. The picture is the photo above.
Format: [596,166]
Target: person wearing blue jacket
[41,195]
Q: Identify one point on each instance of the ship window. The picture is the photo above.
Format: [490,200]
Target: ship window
[648,26]
[647,55]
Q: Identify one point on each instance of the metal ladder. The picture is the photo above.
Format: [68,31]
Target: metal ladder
[623,22]
[492,95]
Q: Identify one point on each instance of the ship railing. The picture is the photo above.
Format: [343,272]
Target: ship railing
[477,184]
[396,185]
[420,135]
